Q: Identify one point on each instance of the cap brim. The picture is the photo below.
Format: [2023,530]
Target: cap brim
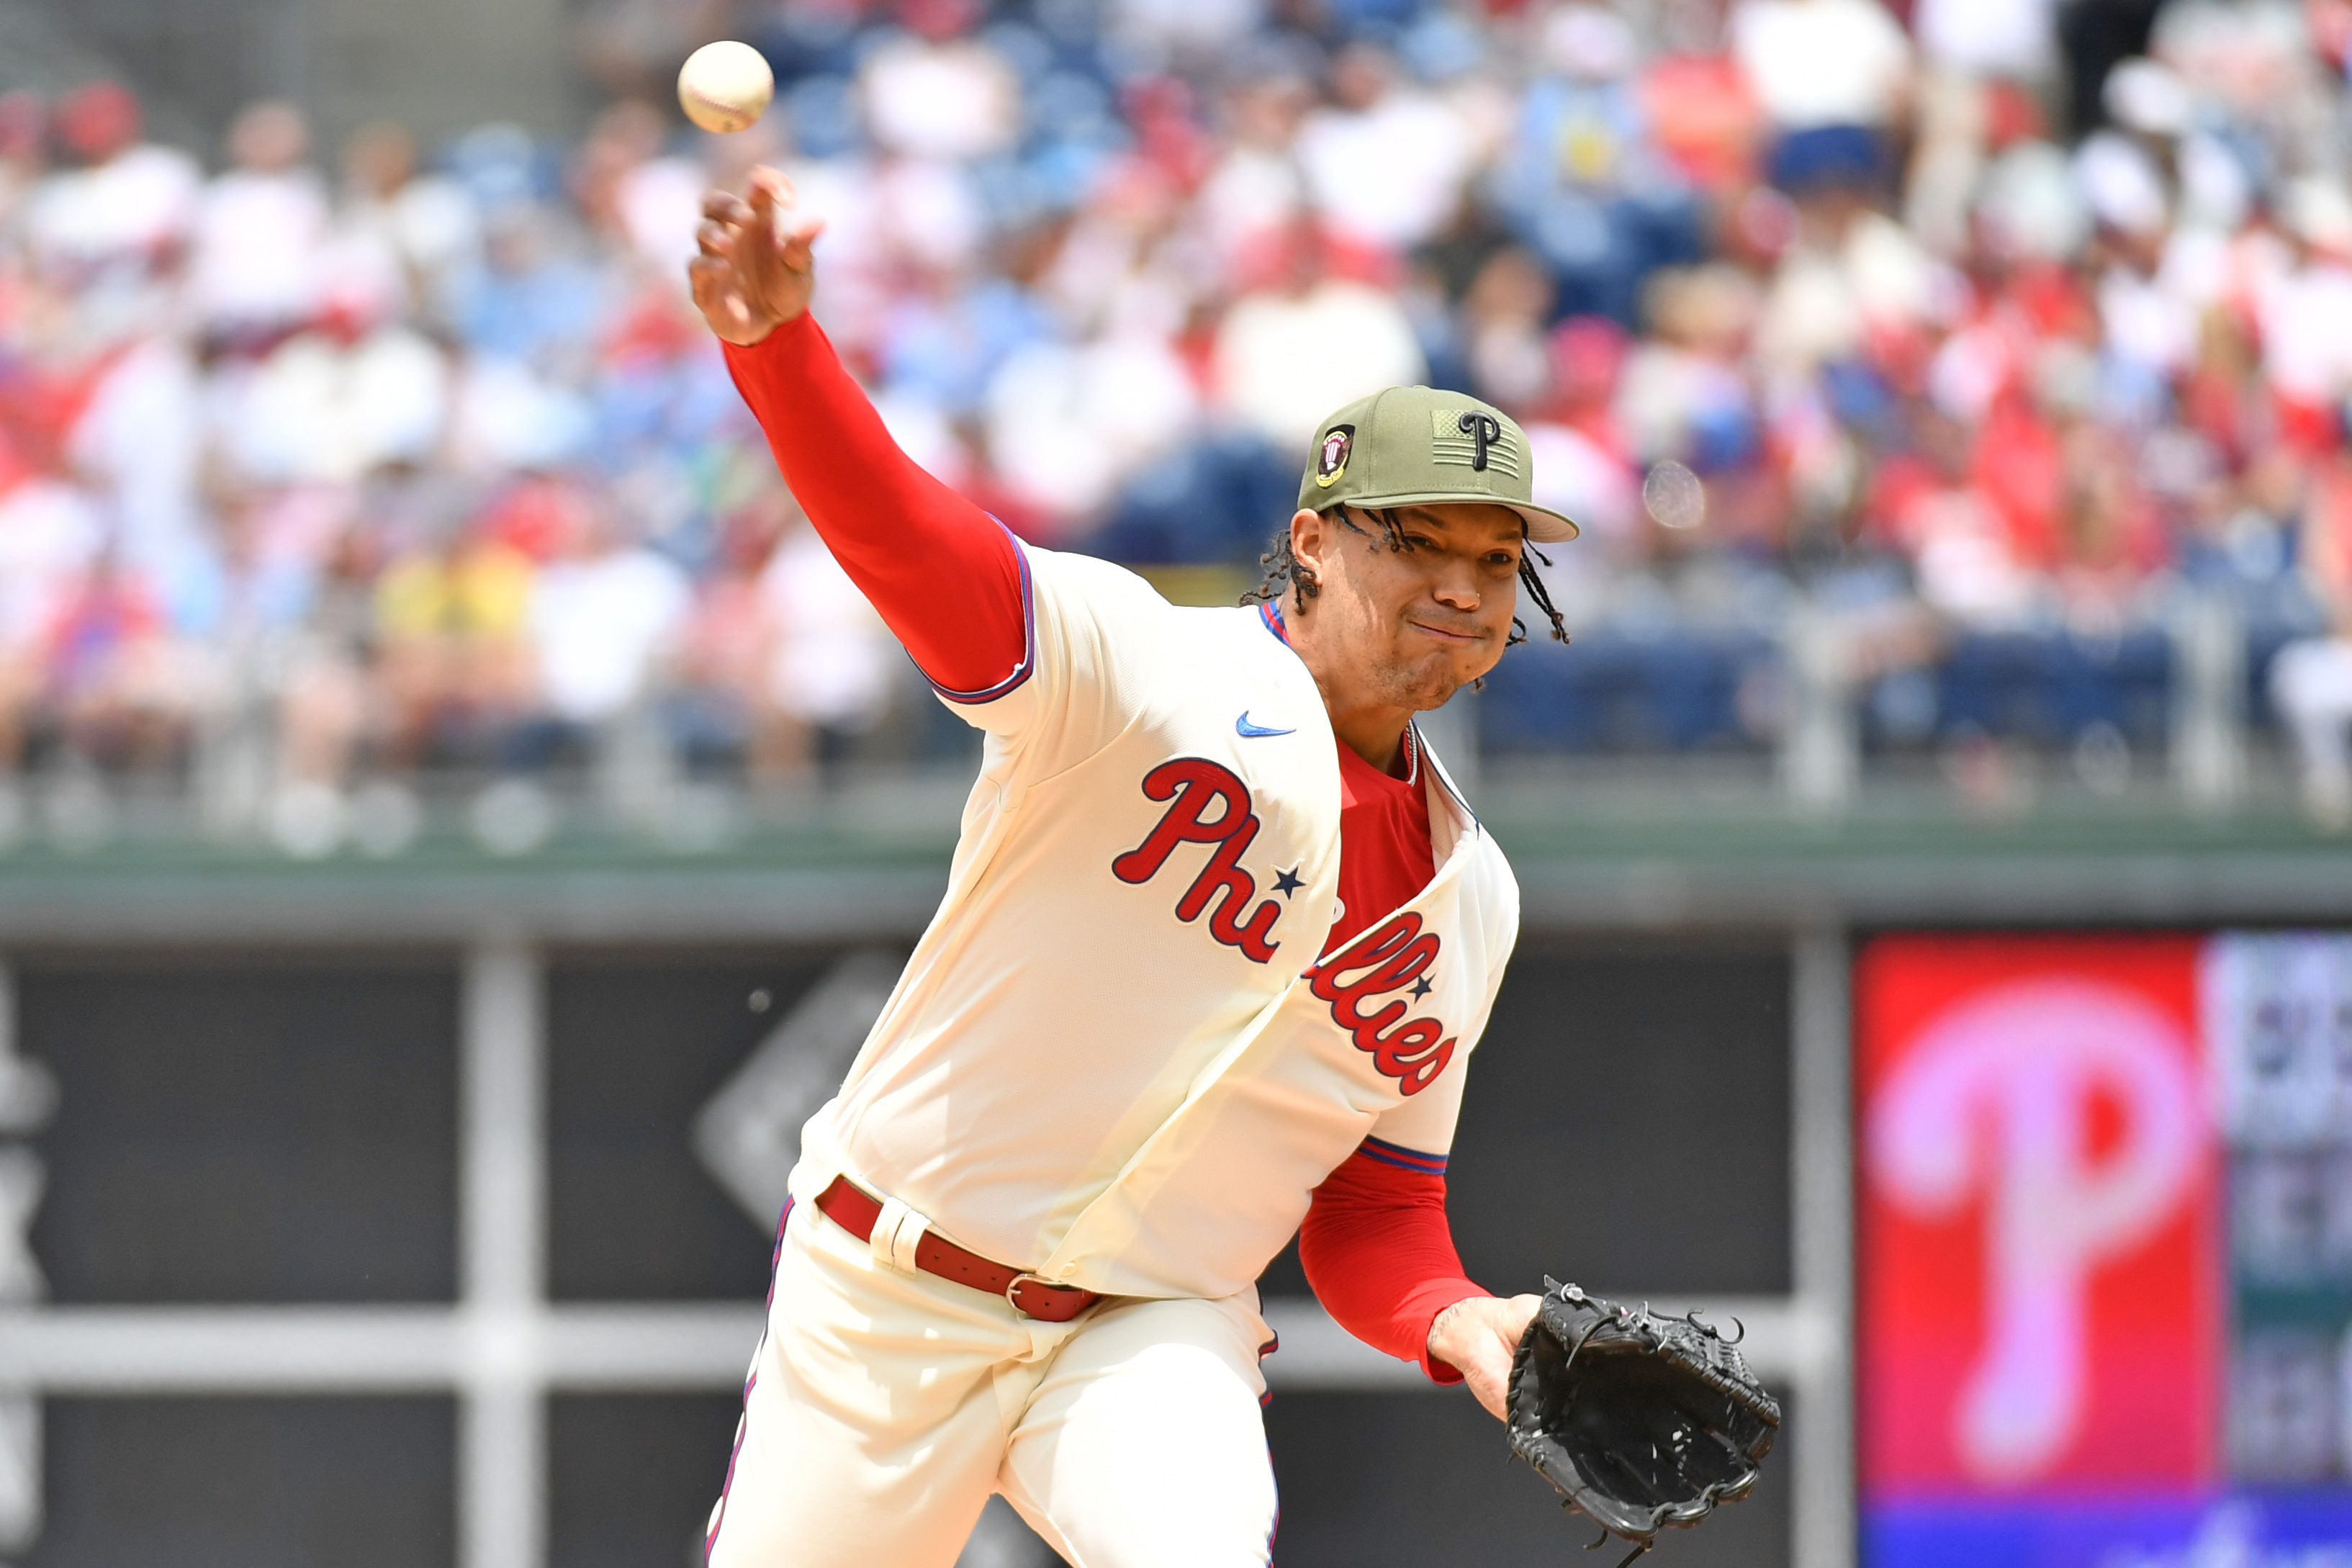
[1544,525]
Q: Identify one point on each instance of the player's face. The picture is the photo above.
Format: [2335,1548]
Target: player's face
[1421,621]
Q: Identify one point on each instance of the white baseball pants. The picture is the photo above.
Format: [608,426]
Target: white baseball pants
[884,1407]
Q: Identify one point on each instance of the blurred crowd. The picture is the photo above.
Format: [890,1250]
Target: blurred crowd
[1993,331]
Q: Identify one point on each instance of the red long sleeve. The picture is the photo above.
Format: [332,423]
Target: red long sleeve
[1379,1255]
[944,574]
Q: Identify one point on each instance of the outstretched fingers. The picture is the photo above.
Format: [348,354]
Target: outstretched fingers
[768,187]
[769,208]
[799,242]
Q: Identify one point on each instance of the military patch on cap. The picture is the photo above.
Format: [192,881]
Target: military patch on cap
[1331,457]
[1472,438]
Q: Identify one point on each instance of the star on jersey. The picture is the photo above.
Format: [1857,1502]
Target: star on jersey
[1422,987]
[1289,882]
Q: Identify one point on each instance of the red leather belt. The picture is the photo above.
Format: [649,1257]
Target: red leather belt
[856,1211]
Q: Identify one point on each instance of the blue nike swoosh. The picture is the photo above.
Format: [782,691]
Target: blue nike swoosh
[1247,731]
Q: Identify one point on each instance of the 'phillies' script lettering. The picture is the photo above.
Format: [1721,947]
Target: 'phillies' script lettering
[1388,958]
[1195,788]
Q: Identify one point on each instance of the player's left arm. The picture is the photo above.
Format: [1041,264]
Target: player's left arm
[1380,1253]
[1376,1243]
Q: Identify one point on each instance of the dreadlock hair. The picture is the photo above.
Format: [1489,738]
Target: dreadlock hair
[1286,572]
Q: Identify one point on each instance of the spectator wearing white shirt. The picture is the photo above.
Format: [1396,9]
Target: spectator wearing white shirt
[417,226]
[1832,76]
[831,660]
[1255,190]
[1384,165]
[124,203]
[949,98]
[334,406]
[2016,40]
[600,620]
[1195,32]
[262,231]
[2304,315]
[1286,355]
[1066,423]
[2311,686]
[1978,58]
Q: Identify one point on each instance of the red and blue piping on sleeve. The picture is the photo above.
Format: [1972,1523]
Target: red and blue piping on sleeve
[1025,665]
[1380,1253]
[950,580]
[1403,1158]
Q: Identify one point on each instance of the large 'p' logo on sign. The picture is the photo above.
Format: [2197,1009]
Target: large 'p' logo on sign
[2067,1111]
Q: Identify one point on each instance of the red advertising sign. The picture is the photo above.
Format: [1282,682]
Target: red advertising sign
[2039,1257]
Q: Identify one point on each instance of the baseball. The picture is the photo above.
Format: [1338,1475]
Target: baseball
[725,86]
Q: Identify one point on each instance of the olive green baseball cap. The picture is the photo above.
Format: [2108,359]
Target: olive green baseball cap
[1415,446]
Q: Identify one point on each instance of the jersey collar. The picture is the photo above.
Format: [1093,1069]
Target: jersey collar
[1269,615]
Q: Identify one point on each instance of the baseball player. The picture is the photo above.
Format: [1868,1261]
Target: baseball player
[1218,940]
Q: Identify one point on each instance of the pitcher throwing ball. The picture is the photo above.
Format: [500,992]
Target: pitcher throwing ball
[1218,941]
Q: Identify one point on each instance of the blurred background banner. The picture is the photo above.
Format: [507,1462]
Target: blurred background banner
[2106,1282]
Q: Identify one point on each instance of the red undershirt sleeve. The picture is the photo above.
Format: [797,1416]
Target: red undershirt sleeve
[1381,1256]
[944,574]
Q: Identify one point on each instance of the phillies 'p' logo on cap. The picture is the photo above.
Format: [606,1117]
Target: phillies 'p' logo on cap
[1331,457]
[1484,430]
[1475,439]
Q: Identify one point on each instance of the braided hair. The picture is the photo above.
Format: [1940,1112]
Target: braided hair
[1286,572]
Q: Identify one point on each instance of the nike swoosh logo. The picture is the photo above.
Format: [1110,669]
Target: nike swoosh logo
[1249,731]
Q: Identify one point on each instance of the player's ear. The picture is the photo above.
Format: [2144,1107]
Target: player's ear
[1310,539]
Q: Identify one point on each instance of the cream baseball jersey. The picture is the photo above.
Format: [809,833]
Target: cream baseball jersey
[1117,1055]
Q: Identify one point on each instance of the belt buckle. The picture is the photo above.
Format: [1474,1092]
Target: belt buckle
[1012,1294]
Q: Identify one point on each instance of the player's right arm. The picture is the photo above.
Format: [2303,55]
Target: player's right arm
[945,576]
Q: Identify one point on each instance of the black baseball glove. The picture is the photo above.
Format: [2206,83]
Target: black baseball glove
[1643,1422]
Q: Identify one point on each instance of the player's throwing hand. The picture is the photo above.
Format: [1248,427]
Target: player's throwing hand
[757,268]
